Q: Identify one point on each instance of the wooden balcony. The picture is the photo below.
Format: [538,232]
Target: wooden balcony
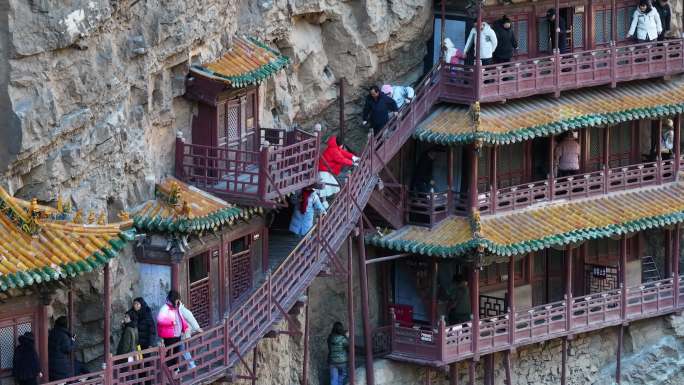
[556,73]
[287,161]
[430,208]
[451,343]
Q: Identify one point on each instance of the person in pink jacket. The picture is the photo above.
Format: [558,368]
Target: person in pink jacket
[170,323]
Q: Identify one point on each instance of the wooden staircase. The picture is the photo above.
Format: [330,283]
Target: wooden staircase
[389,203]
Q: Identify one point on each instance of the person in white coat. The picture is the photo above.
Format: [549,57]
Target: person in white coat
[194,327]
[488,43]
[646,25]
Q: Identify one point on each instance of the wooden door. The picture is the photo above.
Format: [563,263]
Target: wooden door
[548,283]
[239,267]
[199,289]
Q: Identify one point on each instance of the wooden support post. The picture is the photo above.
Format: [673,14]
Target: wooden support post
[428,380]
[552,161]
[568,288]
[493,178]
[453,374]
[478,54]
[507,363]
[511,300]
[675,262]
[618,362]
[668,253]
[606,157]
[70,311]
[180,149]
[564,361]
[175,276]
[222,295]
[254,364]
[450,177]
[471,372]
[489,369]
[442,29]
[343,125]
[350,310]
[363,278]
[475,308]
[623,277]
[677,142]
[43,334]
[107,323]
[613,40]
[584,150]
[433,295]
[305,363]
[472,190]
[659,155]
[556,50]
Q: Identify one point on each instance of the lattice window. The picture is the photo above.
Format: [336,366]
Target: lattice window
[240,267]
[510,162]
[578,30]
[10,330]
[200,300]
[621,144]
[598,278]
[492,306]
[233,123]
[603,26]
[543,42]
[521,31]
[624,19]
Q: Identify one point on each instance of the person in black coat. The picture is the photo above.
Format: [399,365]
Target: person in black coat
[60,346]
[26,365]
[507,42]
[377,108]
[665,13]
[562,34]
[146,328]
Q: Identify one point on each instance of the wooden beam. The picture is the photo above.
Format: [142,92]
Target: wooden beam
[254,364]
[606,157]
[433,295]
[388,258]
[475,308]
[675,262]
[43,335]
[472,190]
[365,312]
[350,310]
[564,361]
[552,161]
[305,363]
[107,320]
[493,177]
[618,362]
[623,277]
[507,364]
[568,288]
[453,374]
[677,141]
[471,372]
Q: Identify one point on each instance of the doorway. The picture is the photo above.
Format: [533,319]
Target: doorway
[547,279]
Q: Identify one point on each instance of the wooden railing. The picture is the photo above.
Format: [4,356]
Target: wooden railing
[447,344]
[288,161]
[555,73]
[216,350]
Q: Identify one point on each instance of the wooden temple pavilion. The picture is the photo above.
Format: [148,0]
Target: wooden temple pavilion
[42,249]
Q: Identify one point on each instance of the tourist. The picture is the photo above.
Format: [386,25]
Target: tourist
[459,301]
[452,55]
[145,323]
[667,140]
[25,363]
[488,43]
[304,211]
[338,346]
[507,42]
[61,344]
[422,180]
[129,334]
[377,109]
[665,13]
[400,94]
[194,327]
[562,31]
[567,154]
[645,23]
[330,165]
[170,324]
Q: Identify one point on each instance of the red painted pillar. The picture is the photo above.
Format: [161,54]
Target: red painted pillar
[618,362]
[556,51]
[493,177]
[478,57]
[677,142]
[552,161]
[472,190]
[606,157]
[475,307]
[511,300]
[43,335]
[623,276]
[675,262]
[442,30]
[453,374]
[70,311]
[564,361]
[305,363]
[450,178]
[659,155]
[180,149]
[175,273]
[350,309]
[363,278]
[568,288]
[107,323]
[343,125]
[668,253]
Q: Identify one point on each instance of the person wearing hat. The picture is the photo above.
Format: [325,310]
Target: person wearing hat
[562,31]
[508,43]
[400,94]
[646,24]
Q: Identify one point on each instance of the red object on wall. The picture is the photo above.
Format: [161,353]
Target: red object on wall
[403,314]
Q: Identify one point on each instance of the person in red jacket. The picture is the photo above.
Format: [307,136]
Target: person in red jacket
[332,160]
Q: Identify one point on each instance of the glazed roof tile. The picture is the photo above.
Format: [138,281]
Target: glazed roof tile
[247,62]
[38,244]
[523,119]
[181,208]
[535,228]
